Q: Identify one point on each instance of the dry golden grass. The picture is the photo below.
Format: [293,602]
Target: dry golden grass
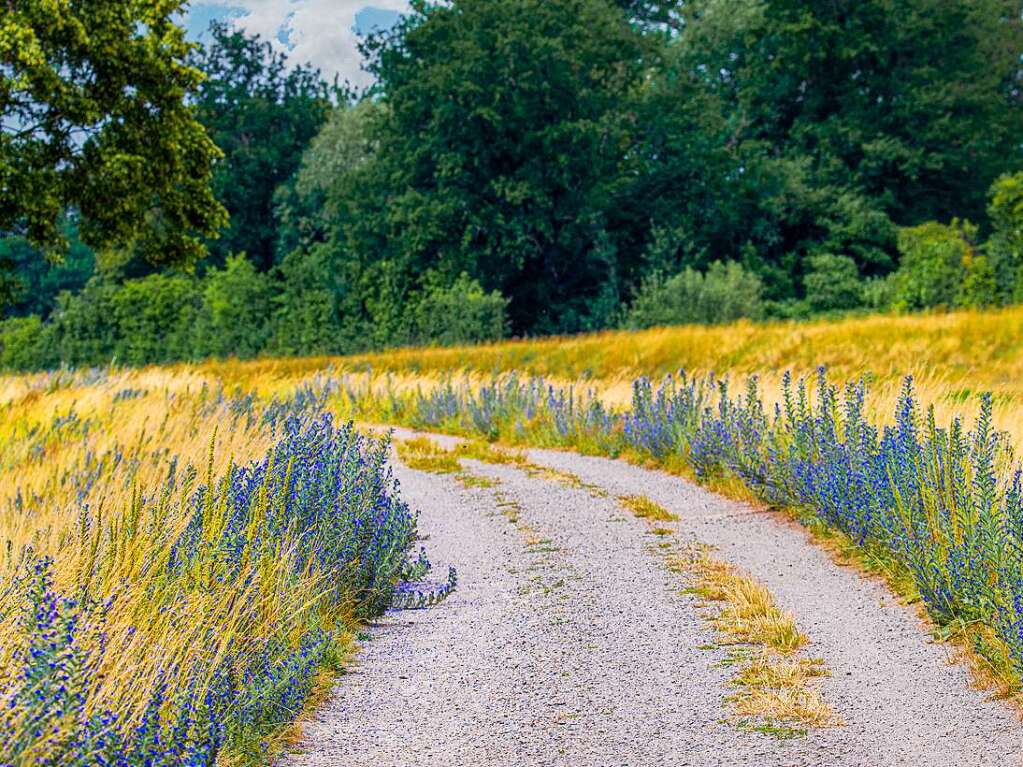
[423,454]
[109,453]
[749,614]
[983,348]
[775,686]
[644,508]
[952,358]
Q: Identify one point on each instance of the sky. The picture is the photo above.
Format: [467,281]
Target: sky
[321,32]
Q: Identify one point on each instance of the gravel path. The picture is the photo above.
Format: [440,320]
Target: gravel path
[568,643]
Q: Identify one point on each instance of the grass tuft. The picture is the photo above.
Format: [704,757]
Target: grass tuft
[423,454]
[774,687]
[644,508]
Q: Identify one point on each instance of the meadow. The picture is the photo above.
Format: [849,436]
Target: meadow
[895,439]
[952,357]
[182,567]
[187,551]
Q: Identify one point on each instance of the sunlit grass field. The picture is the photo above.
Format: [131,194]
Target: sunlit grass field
[952,358]
[180,564]
[167,581]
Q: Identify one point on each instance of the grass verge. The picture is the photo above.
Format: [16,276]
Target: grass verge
[776,690]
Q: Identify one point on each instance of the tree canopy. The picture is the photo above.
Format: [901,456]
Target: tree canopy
[94,117]
[262,114]
[523,167]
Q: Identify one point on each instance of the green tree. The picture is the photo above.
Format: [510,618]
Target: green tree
[501,156]
[884,111]
[235,312]
[36,276]
[308,203]
[262,114]
[93,115]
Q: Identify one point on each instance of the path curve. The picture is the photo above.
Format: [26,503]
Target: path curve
[569,644]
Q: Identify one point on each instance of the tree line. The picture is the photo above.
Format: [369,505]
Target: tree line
[517,168]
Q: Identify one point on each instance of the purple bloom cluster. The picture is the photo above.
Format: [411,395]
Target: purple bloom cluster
[945,502]
[323,488]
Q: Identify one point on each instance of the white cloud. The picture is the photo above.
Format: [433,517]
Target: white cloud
[320,32]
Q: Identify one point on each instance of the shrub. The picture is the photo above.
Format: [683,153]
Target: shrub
[879,293]
[84,324]
[942,267]
[724,293]
[306,319]
[155,317]
[26,343]
[833,283]
[1004,249]
[235,313]
[462,313]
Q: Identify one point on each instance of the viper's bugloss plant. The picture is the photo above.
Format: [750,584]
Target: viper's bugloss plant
[169,598]
[945,502]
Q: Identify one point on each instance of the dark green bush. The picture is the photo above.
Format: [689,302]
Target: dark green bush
[833,283]
[305,308]
[1004,249]
[85,325]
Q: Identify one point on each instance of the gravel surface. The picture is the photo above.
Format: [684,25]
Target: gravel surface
[568,643]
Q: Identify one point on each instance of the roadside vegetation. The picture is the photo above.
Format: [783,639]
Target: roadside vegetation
[934,506]
[183,567]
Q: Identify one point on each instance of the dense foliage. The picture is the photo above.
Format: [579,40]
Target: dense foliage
[93,116]
[573,165]
[262,114]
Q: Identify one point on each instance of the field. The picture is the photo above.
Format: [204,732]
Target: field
[951,357]
[180,565]
[187,551]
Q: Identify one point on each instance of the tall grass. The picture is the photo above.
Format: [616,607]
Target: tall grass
[952,357]
[177,563]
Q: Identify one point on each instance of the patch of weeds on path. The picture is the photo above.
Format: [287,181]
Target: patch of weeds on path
[423,454]
[470,481]
[778,732]
[646,509]
[486,452]
[776,689]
